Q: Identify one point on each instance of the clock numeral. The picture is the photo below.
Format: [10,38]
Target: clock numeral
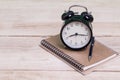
[86,29]
[71,41]
[65,33]
[87,33]
[76,24]
[71,25]
[81,25]
[66,37]
[81,42]
[75,43]
[68,28]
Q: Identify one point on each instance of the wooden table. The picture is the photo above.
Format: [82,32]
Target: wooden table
[23,24]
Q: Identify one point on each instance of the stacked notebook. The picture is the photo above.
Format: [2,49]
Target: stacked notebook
[78,59]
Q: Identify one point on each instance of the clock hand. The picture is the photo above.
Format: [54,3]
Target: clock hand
[71,35]
[82,34]
[77,34]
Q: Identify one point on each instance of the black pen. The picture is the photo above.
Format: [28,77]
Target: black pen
[91,48]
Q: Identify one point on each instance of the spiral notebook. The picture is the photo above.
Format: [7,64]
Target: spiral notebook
[78,59]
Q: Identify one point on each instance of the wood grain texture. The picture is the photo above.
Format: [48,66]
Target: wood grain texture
[44,11]
[41,75]
[104,76]
[48,29]
[56,75]
[24,53]
[24,23]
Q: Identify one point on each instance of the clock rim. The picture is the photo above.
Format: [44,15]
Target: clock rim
[87,24]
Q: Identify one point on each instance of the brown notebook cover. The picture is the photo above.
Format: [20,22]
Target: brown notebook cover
[78,59]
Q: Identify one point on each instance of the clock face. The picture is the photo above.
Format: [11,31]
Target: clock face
[76,35]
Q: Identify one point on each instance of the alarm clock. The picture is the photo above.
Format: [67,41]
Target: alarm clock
[76,32]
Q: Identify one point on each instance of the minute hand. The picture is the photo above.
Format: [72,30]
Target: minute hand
[82,34]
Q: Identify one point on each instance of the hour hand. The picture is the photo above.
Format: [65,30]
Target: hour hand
[71,35]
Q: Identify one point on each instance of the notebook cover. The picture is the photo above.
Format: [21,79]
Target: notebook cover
[101,53]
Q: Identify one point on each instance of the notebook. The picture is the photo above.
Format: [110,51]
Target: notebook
[78,59]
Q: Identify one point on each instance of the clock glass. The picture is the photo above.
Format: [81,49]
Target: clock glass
[76,35]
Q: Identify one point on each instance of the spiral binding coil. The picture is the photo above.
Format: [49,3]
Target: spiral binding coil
[62,55]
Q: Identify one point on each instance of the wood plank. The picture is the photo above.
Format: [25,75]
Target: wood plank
[20,56]
[57,75]
[46,20]
[45,29]
[46,11]
[24,53]
[41,75]
[104,76]
[106,29]
[31,29]
[19,53]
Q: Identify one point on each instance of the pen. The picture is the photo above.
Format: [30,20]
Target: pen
[91,48]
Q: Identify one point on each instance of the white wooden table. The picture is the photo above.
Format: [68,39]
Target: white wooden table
[23,24]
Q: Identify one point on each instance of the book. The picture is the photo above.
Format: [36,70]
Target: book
[78,59]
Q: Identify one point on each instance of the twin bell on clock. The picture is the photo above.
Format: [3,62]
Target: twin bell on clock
[76,32]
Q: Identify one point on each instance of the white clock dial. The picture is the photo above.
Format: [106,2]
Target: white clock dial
[76,34]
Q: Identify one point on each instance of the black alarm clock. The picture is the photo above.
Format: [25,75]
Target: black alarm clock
[76,32]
